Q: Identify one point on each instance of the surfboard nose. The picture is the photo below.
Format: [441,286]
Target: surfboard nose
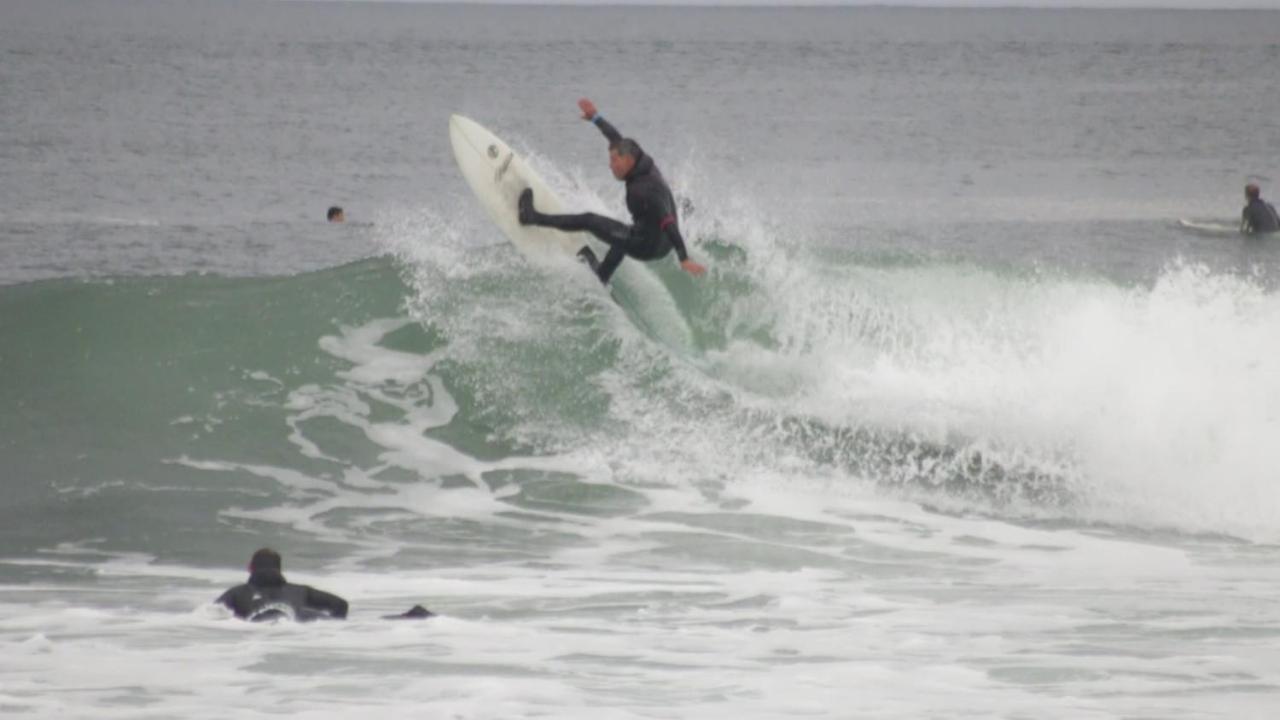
[460,123]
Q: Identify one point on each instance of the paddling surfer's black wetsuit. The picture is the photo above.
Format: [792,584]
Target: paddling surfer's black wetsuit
[1259,218]
[267,596]
[656,228]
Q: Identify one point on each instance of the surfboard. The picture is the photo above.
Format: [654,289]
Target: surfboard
[1209,227]
[497,175]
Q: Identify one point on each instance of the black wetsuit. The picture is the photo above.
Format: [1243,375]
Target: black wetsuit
[656,228]
[1259,218]
[267,596]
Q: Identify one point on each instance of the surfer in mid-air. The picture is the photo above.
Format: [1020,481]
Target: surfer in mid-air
[656,229]
[1258,217]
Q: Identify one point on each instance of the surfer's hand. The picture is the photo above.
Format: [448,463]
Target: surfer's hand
[693,268]
[588,108]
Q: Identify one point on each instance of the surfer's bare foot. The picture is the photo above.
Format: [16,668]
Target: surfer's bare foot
[524,207]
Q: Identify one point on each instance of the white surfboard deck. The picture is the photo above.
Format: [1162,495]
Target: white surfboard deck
[1209,227]
[497,175]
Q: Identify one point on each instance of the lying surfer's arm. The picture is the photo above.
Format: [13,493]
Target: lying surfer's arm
[590,114]
[328,602]
[235,601]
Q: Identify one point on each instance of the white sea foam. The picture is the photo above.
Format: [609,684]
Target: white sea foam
[773,525]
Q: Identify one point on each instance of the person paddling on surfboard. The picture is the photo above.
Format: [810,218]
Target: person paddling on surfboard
[1259,217]
[656,229]
[267,596]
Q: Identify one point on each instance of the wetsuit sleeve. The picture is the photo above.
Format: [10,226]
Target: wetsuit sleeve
[664,210]
[330,603]
[609,131]
[671,226]
[231,599]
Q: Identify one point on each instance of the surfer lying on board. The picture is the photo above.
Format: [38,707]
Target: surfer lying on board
[268,596]
[653,210]
[1259,217]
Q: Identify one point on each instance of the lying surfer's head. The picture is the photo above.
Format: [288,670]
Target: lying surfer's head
[265,559]
[623,156]
[1251,191]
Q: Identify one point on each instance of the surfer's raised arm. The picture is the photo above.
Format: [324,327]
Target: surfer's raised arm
[593,116]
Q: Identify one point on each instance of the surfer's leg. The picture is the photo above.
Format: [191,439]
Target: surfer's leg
[628,242]
[607,229]
[612,259]
[617,235]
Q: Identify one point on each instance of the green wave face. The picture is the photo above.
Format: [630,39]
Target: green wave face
[109,382]
[148,409]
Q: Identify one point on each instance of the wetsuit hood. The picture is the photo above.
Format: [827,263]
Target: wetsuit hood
[643,166]
[268,577]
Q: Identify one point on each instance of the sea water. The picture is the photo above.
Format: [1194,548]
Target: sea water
[963,425]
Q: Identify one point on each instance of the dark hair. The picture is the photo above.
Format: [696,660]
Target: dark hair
[1252,191]
[265,559]
[626,146]
[334,212]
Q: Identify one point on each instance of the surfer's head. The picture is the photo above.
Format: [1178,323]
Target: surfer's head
[623,156]
[265,559]
[335,214]
[1251,191]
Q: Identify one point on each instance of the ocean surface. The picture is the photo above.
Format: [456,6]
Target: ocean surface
[960,424]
